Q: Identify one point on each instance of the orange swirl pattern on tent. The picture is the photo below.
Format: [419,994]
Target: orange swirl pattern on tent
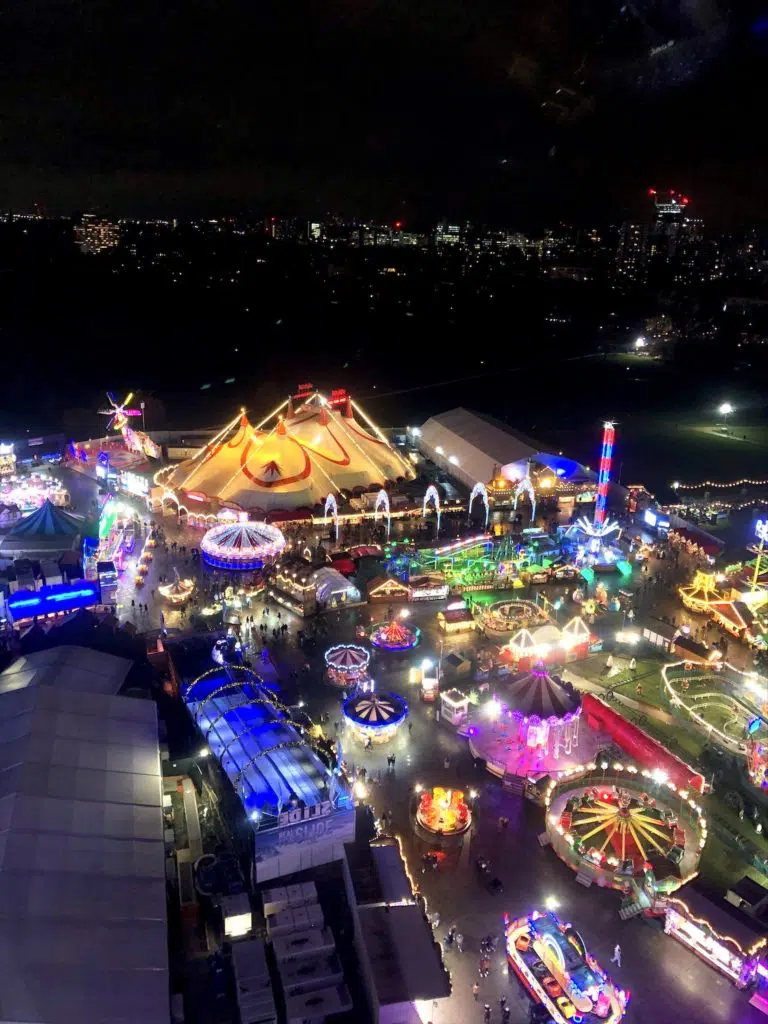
[307,454]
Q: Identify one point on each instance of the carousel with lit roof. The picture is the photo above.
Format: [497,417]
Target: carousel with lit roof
[346,665]
[374,717]
[242,545]
[532,728]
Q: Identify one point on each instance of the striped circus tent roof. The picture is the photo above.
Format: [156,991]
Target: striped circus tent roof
[347,656]
[374,709]
[48,529]
[313,450]
[537,693]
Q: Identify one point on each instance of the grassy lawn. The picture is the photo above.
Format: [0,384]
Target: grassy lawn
[647,675]
[744,827]
[720,867]
[676,738]
[734,436]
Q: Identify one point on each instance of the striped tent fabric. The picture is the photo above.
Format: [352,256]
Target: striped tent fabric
[537,693]
[48,521]
[47,531]
[375,709]
[347,656]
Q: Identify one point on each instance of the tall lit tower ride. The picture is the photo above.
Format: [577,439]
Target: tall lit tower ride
[604,473]
[596,546]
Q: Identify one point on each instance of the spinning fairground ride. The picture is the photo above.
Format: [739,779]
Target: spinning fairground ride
[551,960]
[443,812]
[617,827]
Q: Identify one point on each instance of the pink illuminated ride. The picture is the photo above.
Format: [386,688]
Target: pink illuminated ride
[395,636]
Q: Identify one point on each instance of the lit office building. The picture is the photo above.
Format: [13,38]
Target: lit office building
[632,252]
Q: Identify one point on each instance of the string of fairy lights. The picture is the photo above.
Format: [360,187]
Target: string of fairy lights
[719,485]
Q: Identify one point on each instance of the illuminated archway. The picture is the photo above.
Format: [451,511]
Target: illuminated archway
[431,494]
[525,486]
[479,490]
[382,501]
[330,504]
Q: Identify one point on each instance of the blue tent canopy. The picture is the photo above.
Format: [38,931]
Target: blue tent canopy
[48,530]
[47,521]
[265,758]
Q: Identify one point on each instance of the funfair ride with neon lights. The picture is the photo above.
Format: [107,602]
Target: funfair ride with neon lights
[118,412]
[394,636]
[552,962]
[443,812]
[374,716]
[242,545]
[596,539]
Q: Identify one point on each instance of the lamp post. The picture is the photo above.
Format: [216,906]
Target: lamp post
[725,410]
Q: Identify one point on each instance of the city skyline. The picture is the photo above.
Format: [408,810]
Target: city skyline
[384,111]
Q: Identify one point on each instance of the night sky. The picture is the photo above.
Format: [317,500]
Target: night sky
[399,108]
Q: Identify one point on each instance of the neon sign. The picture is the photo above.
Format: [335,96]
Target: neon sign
[55,597]
[338,397]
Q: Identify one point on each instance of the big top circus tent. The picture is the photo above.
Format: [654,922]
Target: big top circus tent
[314,447]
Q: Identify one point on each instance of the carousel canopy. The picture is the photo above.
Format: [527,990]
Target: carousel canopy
[375,709]
[347,657]
[242,542]
[537,693]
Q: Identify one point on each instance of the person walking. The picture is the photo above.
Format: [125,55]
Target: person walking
[460,942]
[616,958]
[475,990]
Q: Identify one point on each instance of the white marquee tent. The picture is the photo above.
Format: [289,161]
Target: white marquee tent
[468,445]
[82,879]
